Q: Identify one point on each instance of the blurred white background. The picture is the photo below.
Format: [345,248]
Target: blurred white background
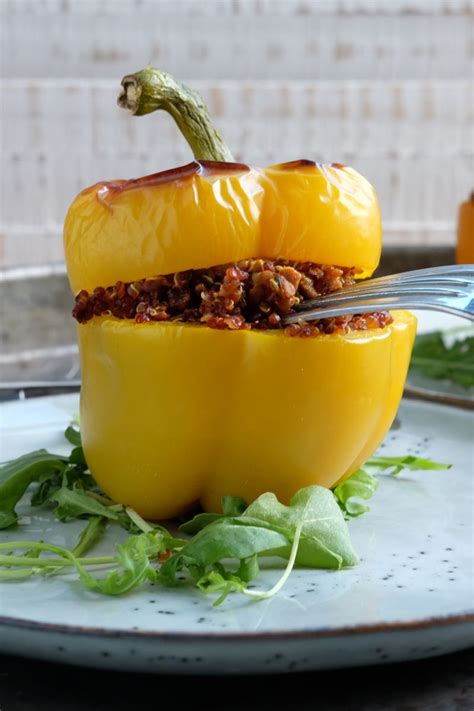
[384,85]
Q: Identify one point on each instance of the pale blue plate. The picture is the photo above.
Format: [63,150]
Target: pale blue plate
[410,597]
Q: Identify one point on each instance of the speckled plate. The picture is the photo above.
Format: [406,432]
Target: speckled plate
[410,597]
[437,390]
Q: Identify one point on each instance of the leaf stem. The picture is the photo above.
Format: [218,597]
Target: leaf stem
[17,561]
[139,522]
[287,572]
[103,500]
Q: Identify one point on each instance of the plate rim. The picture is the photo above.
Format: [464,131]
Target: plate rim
[316,633]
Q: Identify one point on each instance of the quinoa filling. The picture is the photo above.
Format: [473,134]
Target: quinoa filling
[251,294]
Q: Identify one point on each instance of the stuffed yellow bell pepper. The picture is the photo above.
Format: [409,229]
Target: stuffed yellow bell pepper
[465,232]
[192,389]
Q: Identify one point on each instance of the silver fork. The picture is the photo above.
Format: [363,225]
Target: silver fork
[449,289]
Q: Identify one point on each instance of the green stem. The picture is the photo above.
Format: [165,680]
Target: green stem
[151,89]
[10,561]
[16,574]
[103,500]
[139,522]
[64,553]
[286,573]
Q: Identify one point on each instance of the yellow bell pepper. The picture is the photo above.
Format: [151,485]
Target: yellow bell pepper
[176,413]
[465,233]
[205,214]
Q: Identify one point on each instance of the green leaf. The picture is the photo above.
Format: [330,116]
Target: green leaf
[248,568]
[222,557]
[398,464]
[221,582]
[265,594]
[325,540]
[169,572]
[77,457]
[73,503]
[90,535]
[361,485]
[17,475]
[45,489]
[73,436]
[200,521]
[432,357]
[134,565]
[225,582]
[231,538]
[224,539]
[311,531]
[131,521]
[231,506]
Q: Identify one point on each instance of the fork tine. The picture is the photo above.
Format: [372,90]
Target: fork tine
[448,288]
[459,270]
[437,275]
[460,305]
[425,281]
[381,305]
[381,292]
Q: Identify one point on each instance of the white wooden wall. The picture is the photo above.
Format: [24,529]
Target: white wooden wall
[384,85]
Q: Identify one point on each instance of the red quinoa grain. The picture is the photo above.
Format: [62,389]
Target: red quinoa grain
[251,294]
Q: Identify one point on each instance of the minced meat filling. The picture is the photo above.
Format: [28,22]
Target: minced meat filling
[251,294]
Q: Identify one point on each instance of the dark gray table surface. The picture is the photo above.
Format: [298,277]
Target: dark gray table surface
[439,684]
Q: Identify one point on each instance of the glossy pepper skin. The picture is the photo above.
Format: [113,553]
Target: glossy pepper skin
[209,213]
[172,414]
[175,413]
[465,234]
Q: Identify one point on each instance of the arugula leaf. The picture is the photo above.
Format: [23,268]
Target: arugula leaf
[17,475]
[222,557]
[200,521]
[223,582]
[73,436]
[325,540]
[361,485]
[248,568]
[266,528]
[231,538]
[60,479]
[77,457]
[434,358]
[398,464]
[227,538]
[134,565]
[231,506]
[46,488]
[90,535]
[73,503]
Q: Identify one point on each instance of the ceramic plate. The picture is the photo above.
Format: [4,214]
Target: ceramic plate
[410,597]
[433,389]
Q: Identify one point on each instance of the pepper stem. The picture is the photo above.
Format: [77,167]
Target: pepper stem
[151,89]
